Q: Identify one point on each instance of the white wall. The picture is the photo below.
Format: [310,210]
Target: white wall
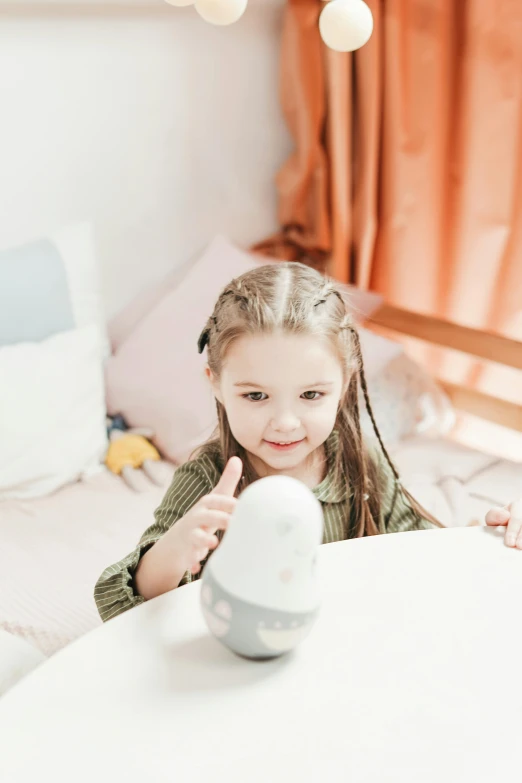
[161,128]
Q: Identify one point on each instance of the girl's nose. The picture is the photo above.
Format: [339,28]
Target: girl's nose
[285,422]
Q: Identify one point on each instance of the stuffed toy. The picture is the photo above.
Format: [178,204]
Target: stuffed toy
[131,454]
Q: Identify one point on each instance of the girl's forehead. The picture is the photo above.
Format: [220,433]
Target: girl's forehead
[266,357]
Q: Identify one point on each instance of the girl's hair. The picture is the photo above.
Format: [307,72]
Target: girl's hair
[293,298]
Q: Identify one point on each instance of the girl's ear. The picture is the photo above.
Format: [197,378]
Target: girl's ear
[214,383]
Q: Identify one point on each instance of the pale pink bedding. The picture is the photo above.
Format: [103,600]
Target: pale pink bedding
[53,549]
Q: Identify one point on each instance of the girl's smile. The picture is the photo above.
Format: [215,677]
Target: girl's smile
[288,446]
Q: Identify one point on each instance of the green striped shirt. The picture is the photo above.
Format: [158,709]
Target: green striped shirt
[115,592]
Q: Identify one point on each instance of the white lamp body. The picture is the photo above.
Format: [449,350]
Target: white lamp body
[180,3]
[221,12]
[259,589]
[346,25]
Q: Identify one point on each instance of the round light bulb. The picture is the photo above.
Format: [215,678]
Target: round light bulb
[346,25]
[221,12]
[180,3]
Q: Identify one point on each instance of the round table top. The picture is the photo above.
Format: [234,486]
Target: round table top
[411,673]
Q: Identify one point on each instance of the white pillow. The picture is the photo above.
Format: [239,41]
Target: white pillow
[405,399]
[52,412]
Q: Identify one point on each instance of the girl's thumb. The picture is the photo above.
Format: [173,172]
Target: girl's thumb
[228,482]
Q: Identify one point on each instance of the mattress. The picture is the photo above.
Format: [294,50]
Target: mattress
[53,549]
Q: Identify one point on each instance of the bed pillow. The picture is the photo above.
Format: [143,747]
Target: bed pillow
[52,412]
[126,321]
[405,399]
[50,285]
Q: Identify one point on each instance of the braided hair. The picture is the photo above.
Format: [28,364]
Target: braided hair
[293,298]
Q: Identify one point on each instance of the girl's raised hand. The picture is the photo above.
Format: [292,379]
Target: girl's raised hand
[511,516]
[195,533]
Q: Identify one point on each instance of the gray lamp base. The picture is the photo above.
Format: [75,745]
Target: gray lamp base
[251,631]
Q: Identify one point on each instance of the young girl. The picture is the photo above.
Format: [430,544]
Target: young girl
[285,365]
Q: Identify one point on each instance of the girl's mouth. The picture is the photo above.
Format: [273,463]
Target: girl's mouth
[284,445]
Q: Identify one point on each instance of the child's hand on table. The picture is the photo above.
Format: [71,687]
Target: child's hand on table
[511,516]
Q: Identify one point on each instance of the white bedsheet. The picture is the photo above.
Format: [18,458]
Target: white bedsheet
[457,484]
[53,549]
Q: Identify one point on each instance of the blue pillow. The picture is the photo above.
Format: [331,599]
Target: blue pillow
[49,286]
[34,296]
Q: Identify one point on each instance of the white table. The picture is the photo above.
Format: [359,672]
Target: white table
[412,673]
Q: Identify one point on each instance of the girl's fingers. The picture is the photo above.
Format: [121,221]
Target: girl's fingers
[213,542]
[219,503]
[514,527]
[497,516]
[202,538]
[200,554]
[213,520]
[230,478]
[202,544]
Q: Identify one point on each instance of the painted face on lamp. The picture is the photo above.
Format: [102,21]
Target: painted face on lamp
[281,393]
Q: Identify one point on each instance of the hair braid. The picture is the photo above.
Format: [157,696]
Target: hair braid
[234,289]
[417,508]
[329,289]
[358,468]
[364,387]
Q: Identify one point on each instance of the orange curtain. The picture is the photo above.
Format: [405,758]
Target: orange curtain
[407,171]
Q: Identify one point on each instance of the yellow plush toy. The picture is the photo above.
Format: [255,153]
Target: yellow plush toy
[129,453]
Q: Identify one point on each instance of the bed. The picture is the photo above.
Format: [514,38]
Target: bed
[54,548]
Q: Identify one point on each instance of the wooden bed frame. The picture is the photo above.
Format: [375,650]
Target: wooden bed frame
[474,342]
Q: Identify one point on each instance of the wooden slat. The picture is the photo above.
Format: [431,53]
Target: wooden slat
[499,411]
[475,342]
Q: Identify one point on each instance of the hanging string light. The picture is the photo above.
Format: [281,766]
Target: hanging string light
[345,25]
[221,11]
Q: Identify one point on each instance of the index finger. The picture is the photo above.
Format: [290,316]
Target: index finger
[230,478]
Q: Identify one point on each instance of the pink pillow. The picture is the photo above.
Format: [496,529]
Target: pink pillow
[157,378]
[125,322]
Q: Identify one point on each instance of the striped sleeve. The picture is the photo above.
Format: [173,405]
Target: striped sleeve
[114,592]
[397,515]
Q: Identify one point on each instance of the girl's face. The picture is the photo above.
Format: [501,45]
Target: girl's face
[281,394]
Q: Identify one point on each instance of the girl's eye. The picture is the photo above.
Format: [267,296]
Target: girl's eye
[312,395]
[255,396]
